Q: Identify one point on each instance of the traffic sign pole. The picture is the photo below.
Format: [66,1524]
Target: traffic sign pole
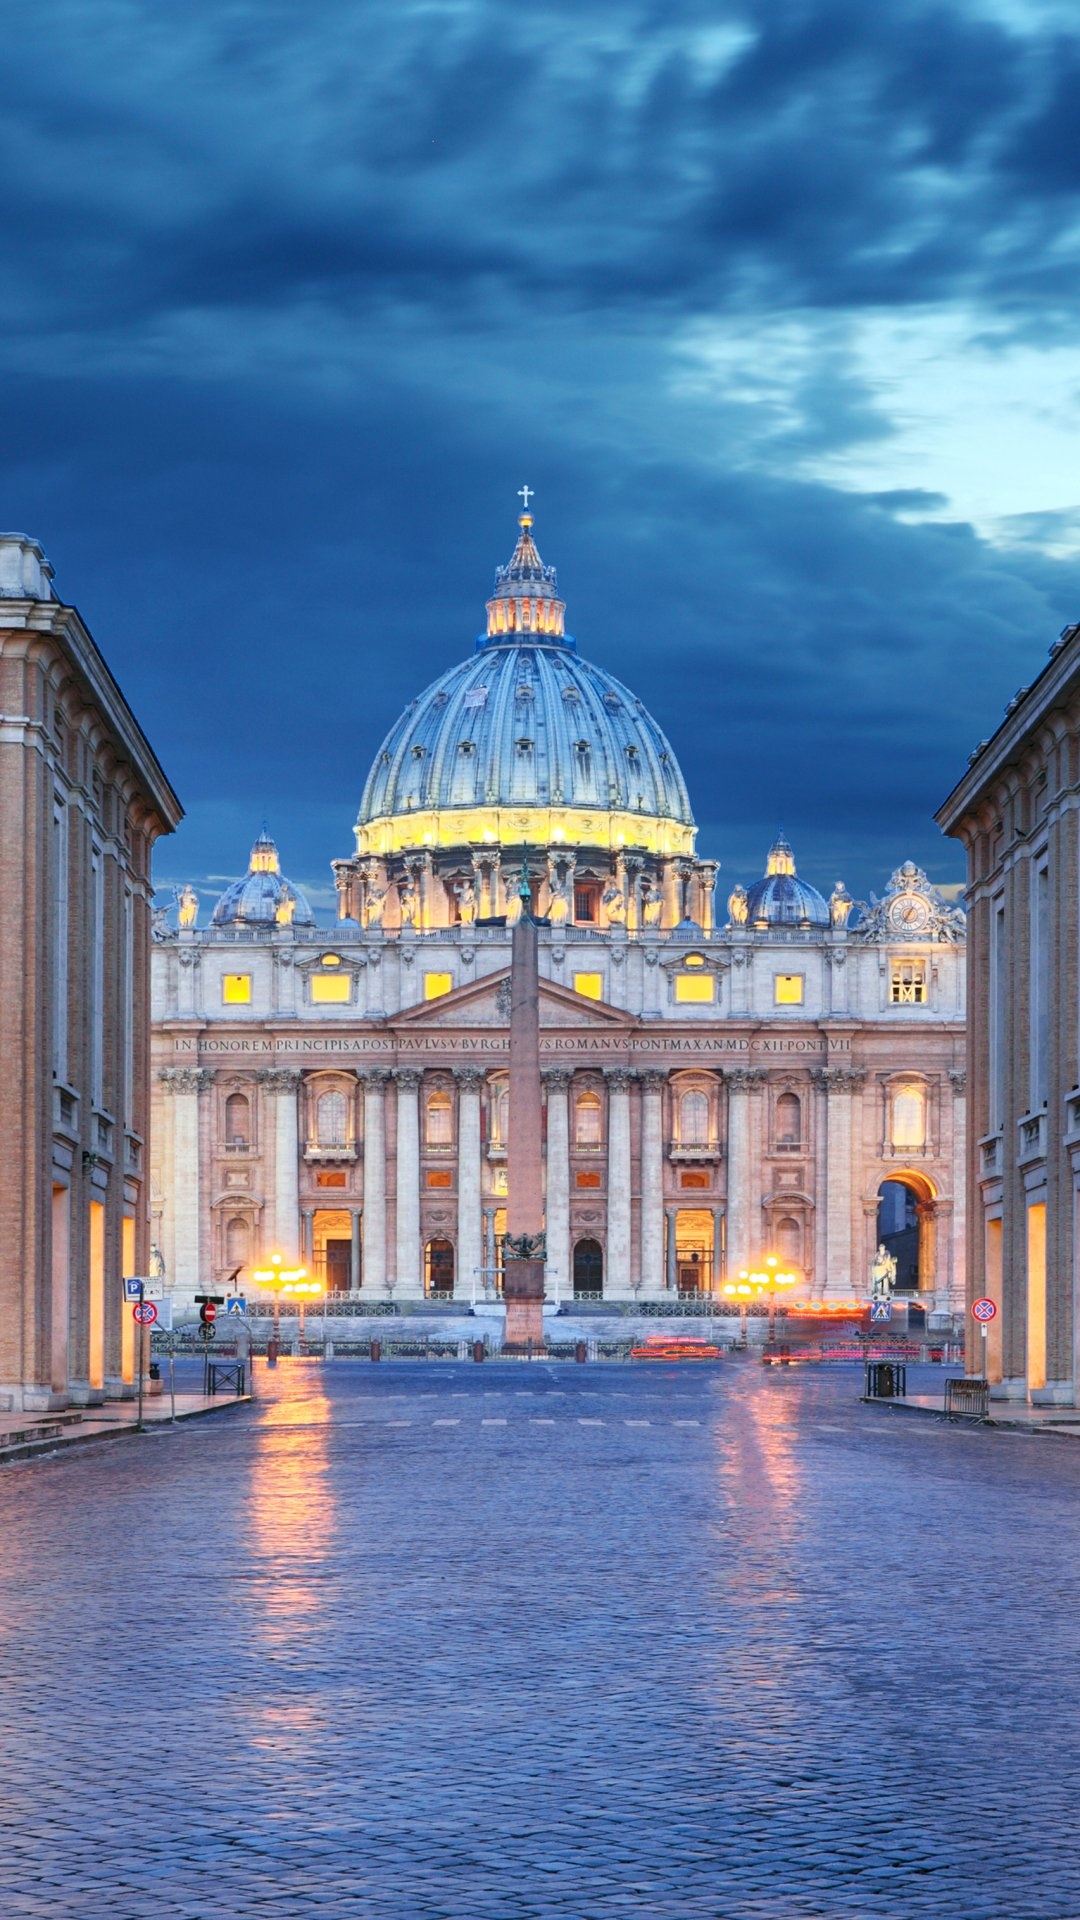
[140,1337]
[983,1311]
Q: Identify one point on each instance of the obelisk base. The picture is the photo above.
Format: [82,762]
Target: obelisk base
[523,1292]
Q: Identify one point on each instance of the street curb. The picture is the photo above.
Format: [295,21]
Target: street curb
[59,1443]
[991,1422]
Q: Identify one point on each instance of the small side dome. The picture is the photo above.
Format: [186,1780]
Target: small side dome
[781,899]
[263,898]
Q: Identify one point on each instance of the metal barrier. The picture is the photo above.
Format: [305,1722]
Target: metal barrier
[886,1380]
[225,1374]
[967,1399]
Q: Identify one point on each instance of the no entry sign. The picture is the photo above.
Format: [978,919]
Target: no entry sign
[144,1314]
[983,1310]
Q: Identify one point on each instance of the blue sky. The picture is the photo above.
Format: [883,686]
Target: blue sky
[775,306]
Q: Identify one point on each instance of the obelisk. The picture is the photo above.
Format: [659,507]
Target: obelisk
[523,1248]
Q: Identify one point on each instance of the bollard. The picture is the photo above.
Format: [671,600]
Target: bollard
[477,1349]
[376,1349]
[273,1348]
[581,1353]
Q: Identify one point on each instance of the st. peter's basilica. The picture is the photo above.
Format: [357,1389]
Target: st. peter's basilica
[783,1076]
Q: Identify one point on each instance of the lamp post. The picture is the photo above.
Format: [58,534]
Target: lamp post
[755,1281]
[282,1279]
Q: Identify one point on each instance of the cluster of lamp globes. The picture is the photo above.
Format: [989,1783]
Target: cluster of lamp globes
[760,1280]
[285,1279]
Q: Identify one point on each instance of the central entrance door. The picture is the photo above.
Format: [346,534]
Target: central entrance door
[588,1268]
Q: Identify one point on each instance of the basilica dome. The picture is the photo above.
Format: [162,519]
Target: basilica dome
[525,743]
[263,898]
[781,899]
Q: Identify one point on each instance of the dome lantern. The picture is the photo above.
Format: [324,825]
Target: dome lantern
[263,898]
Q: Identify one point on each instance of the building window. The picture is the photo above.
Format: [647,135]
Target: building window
[436,984]
[438,1177]
[331,1120]
[439,1121]
[788,1120]
[694,1120]
[585,902]
[789,1241]
[586,1179]
[331,1180]
[591,985]
[236,990]
[908,1123]
[237,1120]
[587,1128]
[698,987]
[330,988]
[500,1114]
[237,1243]
[788,990]
[699,1181]
[907,987]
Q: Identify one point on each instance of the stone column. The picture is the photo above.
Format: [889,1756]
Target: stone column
[743,1230]
[282,1084]
[652,1184]
[559,1277]
[840,1276]
[617,1265]
[408,1280]
[489,1250]
[355,1267]
[671,1274]
[184,1085]
[718,1273]
[373,1225]
[469,1243]
[307,1237]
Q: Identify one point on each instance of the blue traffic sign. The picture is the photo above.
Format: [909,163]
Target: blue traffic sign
[881,1309]
[237,1305]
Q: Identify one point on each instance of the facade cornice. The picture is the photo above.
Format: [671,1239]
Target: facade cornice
[1057,683]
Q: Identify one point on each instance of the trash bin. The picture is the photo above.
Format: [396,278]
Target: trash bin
[376,1349]
[477,1349]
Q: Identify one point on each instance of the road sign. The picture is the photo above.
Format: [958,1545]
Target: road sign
[984,1310]
[237,1305]
[881,1309]
[208,1333]
[134,1288]
[209,1299]
[207,1313]
[144,1314]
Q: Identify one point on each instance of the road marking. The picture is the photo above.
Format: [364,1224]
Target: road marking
[686,1423]
[589,1423]
[539,1420]
[637,1423]
[399,1423]
[493,1423]
[446,1423]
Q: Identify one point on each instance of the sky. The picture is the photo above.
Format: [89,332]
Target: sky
[774,305]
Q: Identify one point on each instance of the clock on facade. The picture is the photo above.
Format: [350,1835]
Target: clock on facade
[909,913]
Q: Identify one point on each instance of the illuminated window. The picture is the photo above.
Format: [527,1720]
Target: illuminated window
[699,987]
[327,988]
[436,984]
[908,1127]
[696,1180]
[587,1130]
[907,986]
[331,1120]
[788,1120]
[693,960]
[788,990]
[237,1120]
[585,899]
[329,959]
[439,1118]
[586,1179]
[591,985]
[438,1177]
[330,1180]
[694,1119]
[236,990]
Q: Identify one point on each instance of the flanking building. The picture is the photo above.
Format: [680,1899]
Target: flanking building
[1017,811]
[82,800]
[785,1076]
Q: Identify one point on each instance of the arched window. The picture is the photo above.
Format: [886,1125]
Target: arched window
[237,1120]
[332,1120]
[908,1127]
[788,1120]
[439,1116]
[500,1113]
[694,1119]
[587,1130]
[789,1241]
[237,1235]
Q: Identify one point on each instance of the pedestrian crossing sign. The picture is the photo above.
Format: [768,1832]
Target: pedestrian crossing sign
[881,1310]
[237,1304]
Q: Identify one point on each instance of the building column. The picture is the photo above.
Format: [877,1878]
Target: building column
[282,1083]
[184,1085]
[671,1273]
[617,1263]
[469,1242]
[840,1277]
[558,1272]
[652,1184]
[355,1267]
[488,1276]
[719,1272]
[373,1222]
[307,1238]
[742,1230]
[408,1280]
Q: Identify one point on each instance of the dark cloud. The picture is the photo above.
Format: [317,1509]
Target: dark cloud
[294,302]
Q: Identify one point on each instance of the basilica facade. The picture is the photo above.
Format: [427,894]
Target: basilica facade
[783,1076]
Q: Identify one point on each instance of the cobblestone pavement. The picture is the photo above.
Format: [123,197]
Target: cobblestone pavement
[504,1642]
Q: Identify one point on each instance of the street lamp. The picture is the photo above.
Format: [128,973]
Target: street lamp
[753,1282]
[282,1279]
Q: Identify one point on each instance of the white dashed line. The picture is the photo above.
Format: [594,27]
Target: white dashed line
[637,1423]
[399,1423]
[493,1423]
[686,1423]
[589,1423]
[446,1423]
[539,1420]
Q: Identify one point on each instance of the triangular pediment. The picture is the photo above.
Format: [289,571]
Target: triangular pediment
[486,1003]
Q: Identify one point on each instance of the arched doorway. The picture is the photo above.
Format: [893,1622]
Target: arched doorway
[905,1215]
[439,1270]
[588,1268]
